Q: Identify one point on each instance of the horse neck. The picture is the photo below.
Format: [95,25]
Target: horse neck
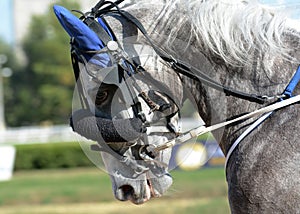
[215,106]
[267,75]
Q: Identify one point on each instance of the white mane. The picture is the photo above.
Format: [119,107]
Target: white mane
[232,29]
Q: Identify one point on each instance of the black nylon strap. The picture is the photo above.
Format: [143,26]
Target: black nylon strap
[177,65]
[189,70]
[197,75]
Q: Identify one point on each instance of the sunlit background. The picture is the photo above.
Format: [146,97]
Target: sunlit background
[42,167]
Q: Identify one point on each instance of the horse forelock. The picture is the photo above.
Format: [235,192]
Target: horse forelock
[240,32]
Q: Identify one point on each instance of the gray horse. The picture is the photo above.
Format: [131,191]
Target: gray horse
[242,45]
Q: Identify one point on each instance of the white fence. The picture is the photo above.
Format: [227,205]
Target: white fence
[55,134]
[36,134]
[50,134]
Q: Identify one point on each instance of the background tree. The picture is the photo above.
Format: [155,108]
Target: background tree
[43,89]
[11,63]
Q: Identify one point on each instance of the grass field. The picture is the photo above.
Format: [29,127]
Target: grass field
[88,190]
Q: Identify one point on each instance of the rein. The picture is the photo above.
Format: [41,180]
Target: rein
[264,112]
[203,129]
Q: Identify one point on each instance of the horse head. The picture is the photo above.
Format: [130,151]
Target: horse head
[126,108]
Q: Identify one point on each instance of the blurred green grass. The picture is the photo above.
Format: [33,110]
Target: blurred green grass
[88,190]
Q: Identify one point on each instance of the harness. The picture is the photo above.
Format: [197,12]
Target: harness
[132,66]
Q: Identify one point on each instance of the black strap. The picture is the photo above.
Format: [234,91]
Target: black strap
[178,65]
[191,71]
[197,75]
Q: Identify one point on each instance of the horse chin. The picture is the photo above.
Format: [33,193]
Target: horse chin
[142,189]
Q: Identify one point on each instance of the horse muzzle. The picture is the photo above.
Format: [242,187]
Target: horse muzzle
[141,190]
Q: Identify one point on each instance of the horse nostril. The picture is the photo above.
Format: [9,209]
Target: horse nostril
[127,191]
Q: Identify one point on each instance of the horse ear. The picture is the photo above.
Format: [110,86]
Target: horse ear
[86,39]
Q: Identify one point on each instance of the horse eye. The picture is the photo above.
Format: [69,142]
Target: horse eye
[101,97]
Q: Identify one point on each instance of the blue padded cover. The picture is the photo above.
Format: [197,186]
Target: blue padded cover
[85,38]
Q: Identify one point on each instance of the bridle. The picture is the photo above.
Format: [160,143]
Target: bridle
[127,68]
[147,152]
